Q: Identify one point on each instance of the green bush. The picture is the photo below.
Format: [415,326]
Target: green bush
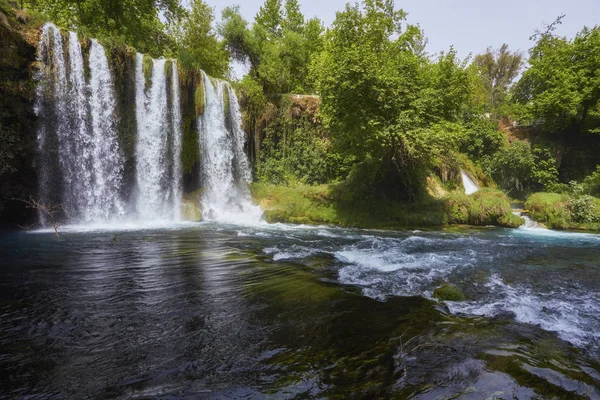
[485,207]
[583,210]
[591,184]
[564,211]
[520,168]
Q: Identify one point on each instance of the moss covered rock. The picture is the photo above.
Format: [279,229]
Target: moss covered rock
[199,98]
[148,65]
[448,292]
[191,210]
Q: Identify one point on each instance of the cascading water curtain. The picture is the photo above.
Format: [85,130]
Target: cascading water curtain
[225,169]
[80,163]
[158,148]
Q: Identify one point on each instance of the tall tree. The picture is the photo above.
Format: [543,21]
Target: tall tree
[270,16]
[498,69]
[561,88]
[197,42]
[293,20]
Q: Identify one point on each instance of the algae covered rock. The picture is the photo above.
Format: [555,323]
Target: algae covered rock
[448,292]
[190,206]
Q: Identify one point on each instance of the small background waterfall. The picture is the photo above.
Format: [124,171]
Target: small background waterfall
[111,141]
[470,186]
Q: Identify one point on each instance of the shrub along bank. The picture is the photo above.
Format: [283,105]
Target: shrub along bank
[565,211]
[325,204]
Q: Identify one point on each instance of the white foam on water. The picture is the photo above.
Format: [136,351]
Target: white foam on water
[570,313]
[293,252]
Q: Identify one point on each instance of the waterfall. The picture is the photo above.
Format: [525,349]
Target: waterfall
[470,186]
[83,135]
[50,108]
[177,169]
[225,170]
[107,161]
[158,149]
[80,163]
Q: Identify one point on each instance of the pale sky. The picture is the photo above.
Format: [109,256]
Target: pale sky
[470,25]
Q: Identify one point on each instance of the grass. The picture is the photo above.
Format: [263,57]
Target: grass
[320,204]
[555,210]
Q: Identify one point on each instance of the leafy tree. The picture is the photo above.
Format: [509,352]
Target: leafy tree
[279,47]
[385,103]
[521,168]
[270,16]
[561,88]
[135,22]
[498,69]
[197,42]
[294,20]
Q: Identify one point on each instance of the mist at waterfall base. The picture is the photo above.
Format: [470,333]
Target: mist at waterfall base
[81,157]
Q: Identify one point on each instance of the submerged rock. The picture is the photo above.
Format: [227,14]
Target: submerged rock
[448,292]
[190,209]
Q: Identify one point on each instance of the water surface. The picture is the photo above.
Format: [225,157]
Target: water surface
[221,311]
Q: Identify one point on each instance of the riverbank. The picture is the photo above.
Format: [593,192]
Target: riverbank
[323,204]
[564,211]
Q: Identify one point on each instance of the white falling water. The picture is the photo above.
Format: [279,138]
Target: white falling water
[469,185]
[158,169]
[225,197]
[80,163]
[77,140]
[49,106]
[177,173]
[107,161]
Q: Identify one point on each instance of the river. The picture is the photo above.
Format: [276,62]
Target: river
[209,310]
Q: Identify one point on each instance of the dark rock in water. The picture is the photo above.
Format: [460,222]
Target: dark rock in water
[448,292]
[506,315]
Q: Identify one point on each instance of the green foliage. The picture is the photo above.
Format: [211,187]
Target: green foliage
[329,204]
[197,44]
[485,207]
[497,70]
[561,88]
[518,167]
[134,22]
[564,211]
[147,66]
[385,103]
[591,183]
[583,209]
[270,16]
[199,98]
[297,148]
[481,138]
[279,47]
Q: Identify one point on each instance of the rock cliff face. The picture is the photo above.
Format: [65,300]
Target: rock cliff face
[19,34]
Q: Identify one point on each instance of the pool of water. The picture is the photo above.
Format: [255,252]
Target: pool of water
[222,311]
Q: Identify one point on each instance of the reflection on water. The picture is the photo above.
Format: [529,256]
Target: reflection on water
[215,311]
